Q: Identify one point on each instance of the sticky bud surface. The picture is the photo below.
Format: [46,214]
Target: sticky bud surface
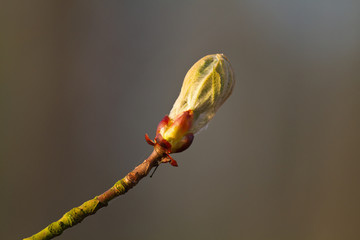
[206,86]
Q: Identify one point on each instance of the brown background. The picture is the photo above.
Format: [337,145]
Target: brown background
[83,81]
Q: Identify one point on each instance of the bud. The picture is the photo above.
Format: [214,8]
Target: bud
[206,86]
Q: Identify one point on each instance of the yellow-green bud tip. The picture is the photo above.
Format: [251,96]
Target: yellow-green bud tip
[206,86]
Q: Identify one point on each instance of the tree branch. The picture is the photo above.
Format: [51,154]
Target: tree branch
[206,86]
[77,214]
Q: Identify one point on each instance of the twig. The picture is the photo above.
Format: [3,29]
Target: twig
[77,214]
[207,85]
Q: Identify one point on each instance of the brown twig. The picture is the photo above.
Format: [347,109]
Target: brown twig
[77,214]
[206,86]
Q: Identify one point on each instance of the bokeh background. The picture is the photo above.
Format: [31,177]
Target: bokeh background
[83,81]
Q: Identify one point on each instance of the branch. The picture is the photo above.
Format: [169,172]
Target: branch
[77,214]
[206,86]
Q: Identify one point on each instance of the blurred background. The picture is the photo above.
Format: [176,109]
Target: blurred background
[82,82]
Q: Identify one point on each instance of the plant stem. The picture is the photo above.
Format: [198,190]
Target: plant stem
[77,214]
